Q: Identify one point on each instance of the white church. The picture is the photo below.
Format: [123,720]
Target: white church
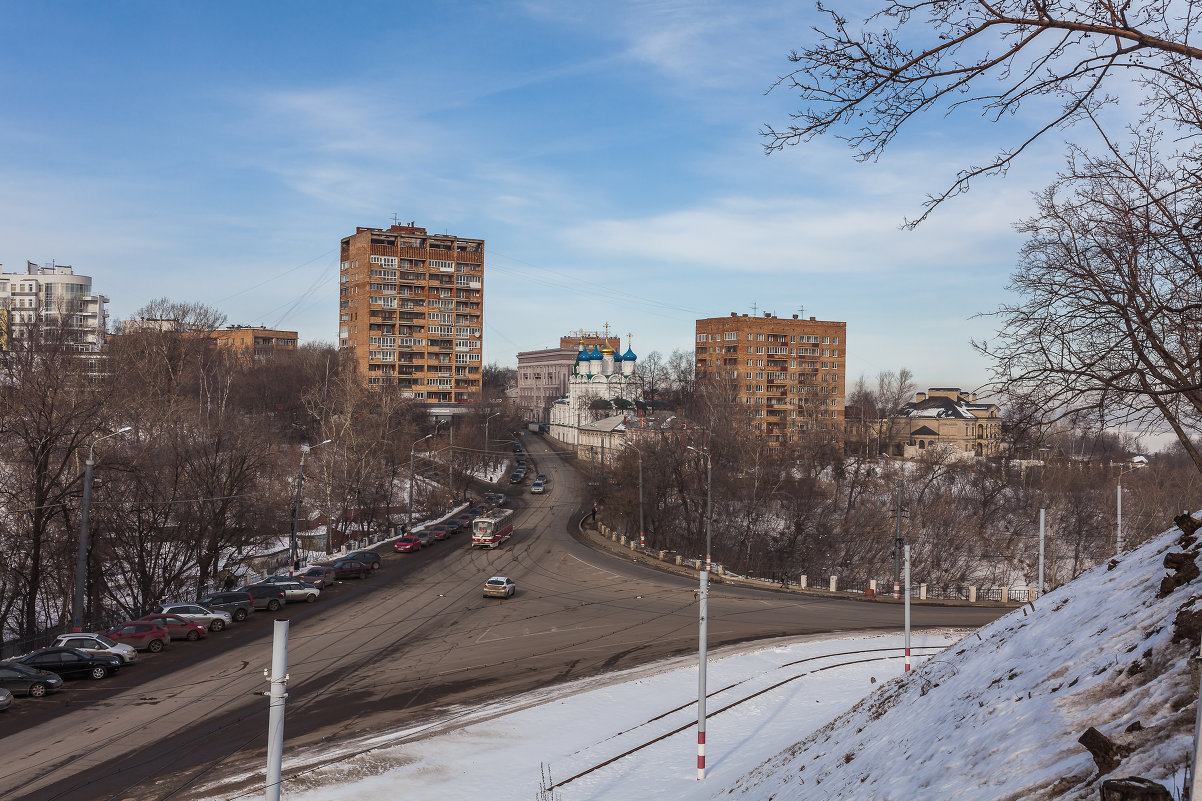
[602,392]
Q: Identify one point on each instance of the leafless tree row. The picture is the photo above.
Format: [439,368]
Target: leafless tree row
[206,472]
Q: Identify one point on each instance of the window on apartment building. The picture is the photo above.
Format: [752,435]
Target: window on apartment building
[730,335]
[835,352]
[759,362]
[759,337]
[759,350]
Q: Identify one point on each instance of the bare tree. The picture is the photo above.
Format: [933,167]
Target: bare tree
[1109,309]
[863,83]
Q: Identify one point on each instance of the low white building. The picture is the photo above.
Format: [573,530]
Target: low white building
[52,296]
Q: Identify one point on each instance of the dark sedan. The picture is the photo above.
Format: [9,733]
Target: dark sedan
[71,663]
[23,680]
[350,568]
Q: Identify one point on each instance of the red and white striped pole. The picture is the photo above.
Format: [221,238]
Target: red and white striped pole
[907,608]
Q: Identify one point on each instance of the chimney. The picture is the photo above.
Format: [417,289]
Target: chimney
[919,397]
[734,314]
[813,319]
[795,317]
[767,315]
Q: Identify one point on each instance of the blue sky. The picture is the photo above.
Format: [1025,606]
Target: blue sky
[607,153]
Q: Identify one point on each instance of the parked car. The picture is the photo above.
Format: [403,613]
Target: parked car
[351,568]
[452,526]
[296,591]
[465,521]
[212,619]
[6,699]
[18,678]
[97,644]
[439,531]
[370,557]
[265,596]
[541,477]
[537,488]
[72,663]
[180,628]
[407,544]
[499,587]
[141,634]
[517,477]
[476,511]
[320,576]
[238,604]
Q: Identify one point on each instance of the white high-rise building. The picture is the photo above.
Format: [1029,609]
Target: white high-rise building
[52,295]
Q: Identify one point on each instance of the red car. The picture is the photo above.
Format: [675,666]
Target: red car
[440,532]
[407,545]
[179,628]
[350,568]
[319,576]
[141,634]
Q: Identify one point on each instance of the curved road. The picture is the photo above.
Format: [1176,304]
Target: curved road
[384,653]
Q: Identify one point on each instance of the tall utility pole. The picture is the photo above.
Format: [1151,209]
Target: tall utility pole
[293,554]
[81,558]
[642,536]
[907,608]
[451,462]
[897,540]
[487,442]
[413,448]
[278,676]
[703,598]
[1041,553]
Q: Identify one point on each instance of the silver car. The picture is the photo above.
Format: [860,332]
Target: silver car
[296,590]
[97,644]
[6,699]
[211,619]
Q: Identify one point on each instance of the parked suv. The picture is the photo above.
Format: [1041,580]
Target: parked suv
[265,596]
[368,557]
[97,644]
[212,619]
[295,590]
[238,604]
[141,634]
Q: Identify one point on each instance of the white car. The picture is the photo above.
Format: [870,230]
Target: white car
[499,587]
[97,644]
[211,619]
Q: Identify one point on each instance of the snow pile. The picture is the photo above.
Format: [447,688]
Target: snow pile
[998,716]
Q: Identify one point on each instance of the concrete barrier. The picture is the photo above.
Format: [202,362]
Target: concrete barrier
[1005,595]
[834,583]
[972,595]
[679,559]
[922,592]
[805,582]
[622,541]
[872,586]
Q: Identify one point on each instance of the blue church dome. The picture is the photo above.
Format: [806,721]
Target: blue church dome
[583,356]
[629,356]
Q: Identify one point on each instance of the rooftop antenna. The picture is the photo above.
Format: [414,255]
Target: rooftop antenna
[755,310]
[801,311]
[394,219]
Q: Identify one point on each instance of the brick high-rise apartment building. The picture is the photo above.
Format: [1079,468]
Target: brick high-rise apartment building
[411,311]
[791,372]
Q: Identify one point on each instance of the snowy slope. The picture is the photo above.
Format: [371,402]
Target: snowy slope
[998,715]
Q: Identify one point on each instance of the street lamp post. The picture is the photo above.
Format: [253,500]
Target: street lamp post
[703,598]
[81,558]
[1118,540]
[293,550]
[642,536]
[487,441]
[412,448]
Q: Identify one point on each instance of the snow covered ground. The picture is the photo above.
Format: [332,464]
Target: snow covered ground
[497,751]
[995,716]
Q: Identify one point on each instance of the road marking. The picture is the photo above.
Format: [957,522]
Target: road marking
[552,630]
[589,564]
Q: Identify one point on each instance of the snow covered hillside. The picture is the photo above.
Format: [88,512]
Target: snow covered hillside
[998,715]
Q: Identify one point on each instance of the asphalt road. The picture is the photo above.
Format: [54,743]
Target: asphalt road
[384,653]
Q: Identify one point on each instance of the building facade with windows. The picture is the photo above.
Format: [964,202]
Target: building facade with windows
[411,312]
[790,374]
[944,419]
[52,295]
[254,341]
[543,375]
